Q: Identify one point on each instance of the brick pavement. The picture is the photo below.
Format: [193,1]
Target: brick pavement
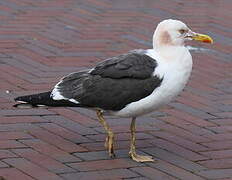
[40,41]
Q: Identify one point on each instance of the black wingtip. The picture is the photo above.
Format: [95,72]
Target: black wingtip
[19,99]
[16,99]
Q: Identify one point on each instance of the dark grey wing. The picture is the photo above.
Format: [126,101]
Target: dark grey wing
[135,64]
[115,94]
[113,83]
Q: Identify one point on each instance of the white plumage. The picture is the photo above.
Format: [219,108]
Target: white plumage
[175,73]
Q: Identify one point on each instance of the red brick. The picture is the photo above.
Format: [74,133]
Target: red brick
[20,119]
[70,125]
[176,128]
[223,121]
[43,160]
[50,150]
[174,171]
[57,141]
[219,137]
[190,118]
[218,154]
[176,160]
[217,145]
[25,112]
[119,145]
[6,154]
[183,152]
[104,164]
[121,136]
[152,173]
[67,134]
[10,144]
[101,174]
[216,173]
[100,155]
[83,120]
[218,163]
[41,41]
[31,169]
[14,135]
[224,114]
[180,141]
[12,173]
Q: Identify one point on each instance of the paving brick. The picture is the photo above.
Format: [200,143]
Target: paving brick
[10,144]
[180,141]
[41,41]
[6,154]
[174,159]
[218,154]
[43,160]
[175,129]
[57,141]
[17,127]
[3,165]
[216,173]
[31,169]
[192,111]
[217,145]
[65,133]
[188,154]
[219,137]
[175,171]
[83,120]
[101,175]
[20,119]
[50,150]
[69,124]
[120,136]
[14,135]
[12,173]
[152,173]
[25,112]
[100,155]
[104,164]
[217,163]
[118,145]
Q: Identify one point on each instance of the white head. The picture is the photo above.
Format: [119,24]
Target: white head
[174,33]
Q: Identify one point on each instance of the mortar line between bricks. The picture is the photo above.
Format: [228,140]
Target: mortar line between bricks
[188,130]
[179,144]
[141,175]
[29,115]
[175,176]
[98,169]
[172,162]
[56,135]
[36,163]
[19,169]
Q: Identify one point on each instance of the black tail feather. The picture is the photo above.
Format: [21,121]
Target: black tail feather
[45,99]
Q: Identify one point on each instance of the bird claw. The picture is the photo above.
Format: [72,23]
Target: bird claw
[140,158]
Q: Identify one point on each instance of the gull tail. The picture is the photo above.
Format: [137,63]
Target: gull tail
[41,99]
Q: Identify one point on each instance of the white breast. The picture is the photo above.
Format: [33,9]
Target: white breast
[175,71]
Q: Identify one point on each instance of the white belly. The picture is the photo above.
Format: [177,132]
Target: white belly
[175,76]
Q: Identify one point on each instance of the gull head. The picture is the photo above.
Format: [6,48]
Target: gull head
[174,33]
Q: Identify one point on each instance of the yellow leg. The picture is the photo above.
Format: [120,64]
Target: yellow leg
[132,153]
[109,143]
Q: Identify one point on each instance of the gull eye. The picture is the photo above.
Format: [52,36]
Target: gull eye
[182,31]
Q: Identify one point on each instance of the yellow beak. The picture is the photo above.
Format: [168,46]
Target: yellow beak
[202,37]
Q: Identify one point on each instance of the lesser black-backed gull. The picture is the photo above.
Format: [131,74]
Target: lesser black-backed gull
[128,85]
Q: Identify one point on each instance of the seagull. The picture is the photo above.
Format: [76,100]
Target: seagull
[129,85]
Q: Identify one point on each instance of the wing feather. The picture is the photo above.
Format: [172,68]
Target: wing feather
[113,83]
